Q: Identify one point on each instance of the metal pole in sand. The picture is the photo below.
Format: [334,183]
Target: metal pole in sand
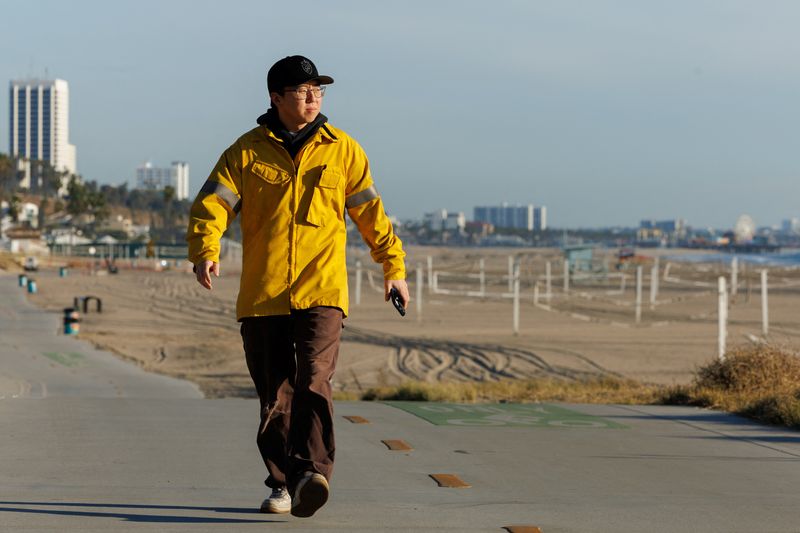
[536,293]
[764,304]
[566,276]
[653,286]
[430,272]
[358,282]
[482,264]
[657,267]
[515,275]
[420,277]
[548,283]
[510,273]
[734,276]
[723,316]
[638,294]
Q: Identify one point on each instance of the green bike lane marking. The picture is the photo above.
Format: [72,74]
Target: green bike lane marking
[503,414]
[70,359]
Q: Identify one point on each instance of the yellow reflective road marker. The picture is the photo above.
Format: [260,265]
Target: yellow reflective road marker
[357,419]
[451,481]
[398,445]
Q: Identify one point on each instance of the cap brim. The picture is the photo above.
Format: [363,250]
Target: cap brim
[323,80]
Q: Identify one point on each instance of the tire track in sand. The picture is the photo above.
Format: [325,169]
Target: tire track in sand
[437,360]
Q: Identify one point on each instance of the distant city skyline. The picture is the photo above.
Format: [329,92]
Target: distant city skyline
[608,112]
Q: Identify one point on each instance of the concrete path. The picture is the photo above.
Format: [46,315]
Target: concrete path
[39,362]
[99,446]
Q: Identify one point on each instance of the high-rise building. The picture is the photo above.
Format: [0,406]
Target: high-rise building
[436,219]
[791,226]
[507,216]
[179,177]
[39,123]
[540,218]
[153,178]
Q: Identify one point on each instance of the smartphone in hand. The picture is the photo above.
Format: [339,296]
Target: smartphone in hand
[394,296]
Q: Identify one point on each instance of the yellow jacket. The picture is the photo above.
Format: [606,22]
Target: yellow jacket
[292,218]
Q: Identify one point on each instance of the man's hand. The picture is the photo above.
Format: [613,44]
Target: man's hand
[202,272]
[402,288]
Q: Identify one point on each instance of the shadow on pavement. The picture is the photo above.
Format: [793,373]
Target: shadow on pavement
[145,518]
[713,417]
[704,458]
[780,439]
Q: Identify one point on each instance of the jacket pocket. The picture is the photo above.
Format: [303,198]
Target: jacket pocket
[269,173]
[327,198]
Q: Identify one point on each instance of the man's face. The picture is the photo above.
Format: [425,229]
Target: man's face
[298,106]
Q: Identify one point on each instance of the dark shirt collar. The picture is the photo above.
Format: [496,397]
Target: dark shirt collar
[292,141]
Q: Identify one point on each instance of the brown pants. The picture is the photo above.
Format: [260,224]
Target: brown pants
[291,359]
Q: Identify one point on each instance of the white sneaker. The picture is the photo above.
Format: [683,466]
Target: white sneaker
[310,494]
[277,502]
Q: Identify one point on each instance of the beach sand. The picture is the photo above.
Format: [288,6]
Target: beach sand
[167,323]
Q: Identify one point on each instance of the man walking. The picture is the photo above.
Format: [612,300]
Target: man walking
[291,179]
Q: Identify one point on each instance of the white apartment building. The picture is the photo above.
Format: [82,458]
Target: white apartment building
[436,219]
[455,221]
[153,178]
[39,124]
[540,218]
[441,219]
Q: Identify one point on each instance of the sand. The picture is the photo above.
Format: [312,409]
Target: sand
[167,323]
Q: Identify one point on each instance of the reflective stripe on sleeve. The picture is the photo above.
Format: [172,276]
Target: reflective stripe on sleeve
[228,196]
[361,197]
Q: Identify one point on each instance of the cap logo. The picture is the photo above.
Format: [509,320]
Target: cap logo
[306,66]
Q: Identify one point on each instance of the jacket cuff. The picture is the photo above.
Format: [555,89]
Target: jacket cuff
[394,269]
[208,256]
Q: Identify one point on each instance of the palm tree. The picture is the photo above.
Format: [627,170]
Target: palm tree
[169,196]
[8,176]
[13,208]
[51,179]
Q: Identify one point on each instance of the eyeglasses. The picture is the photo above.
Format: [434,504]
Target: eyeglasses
[301,93]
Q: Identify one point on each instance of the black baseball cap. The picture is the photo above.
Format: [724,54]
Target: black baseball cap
[293,70]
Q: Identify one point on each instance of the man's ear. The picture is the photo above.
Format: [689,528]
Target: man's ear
[274,98]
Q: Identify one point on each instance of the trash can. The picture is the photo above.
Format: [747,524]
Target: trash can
[72,321]
[23,280]
[32,286]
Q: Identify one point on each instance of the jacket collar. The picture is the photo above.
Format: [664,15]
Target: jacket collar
[268,119]
[326,132]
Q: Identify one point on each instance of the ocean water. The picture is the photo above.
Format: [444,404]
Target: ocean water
[787,258]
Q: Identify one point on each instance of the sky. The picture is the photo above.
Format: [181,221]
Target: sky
[605,111]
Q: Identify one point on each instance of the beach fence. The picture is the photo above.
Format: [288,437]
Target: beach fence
[108,254]
[520,281]
[145,255]
[526,275]
[546,282]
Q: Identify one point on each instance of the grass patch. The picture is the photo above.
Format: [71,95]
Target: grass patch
[600,390]
[346,396]
[760,382]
